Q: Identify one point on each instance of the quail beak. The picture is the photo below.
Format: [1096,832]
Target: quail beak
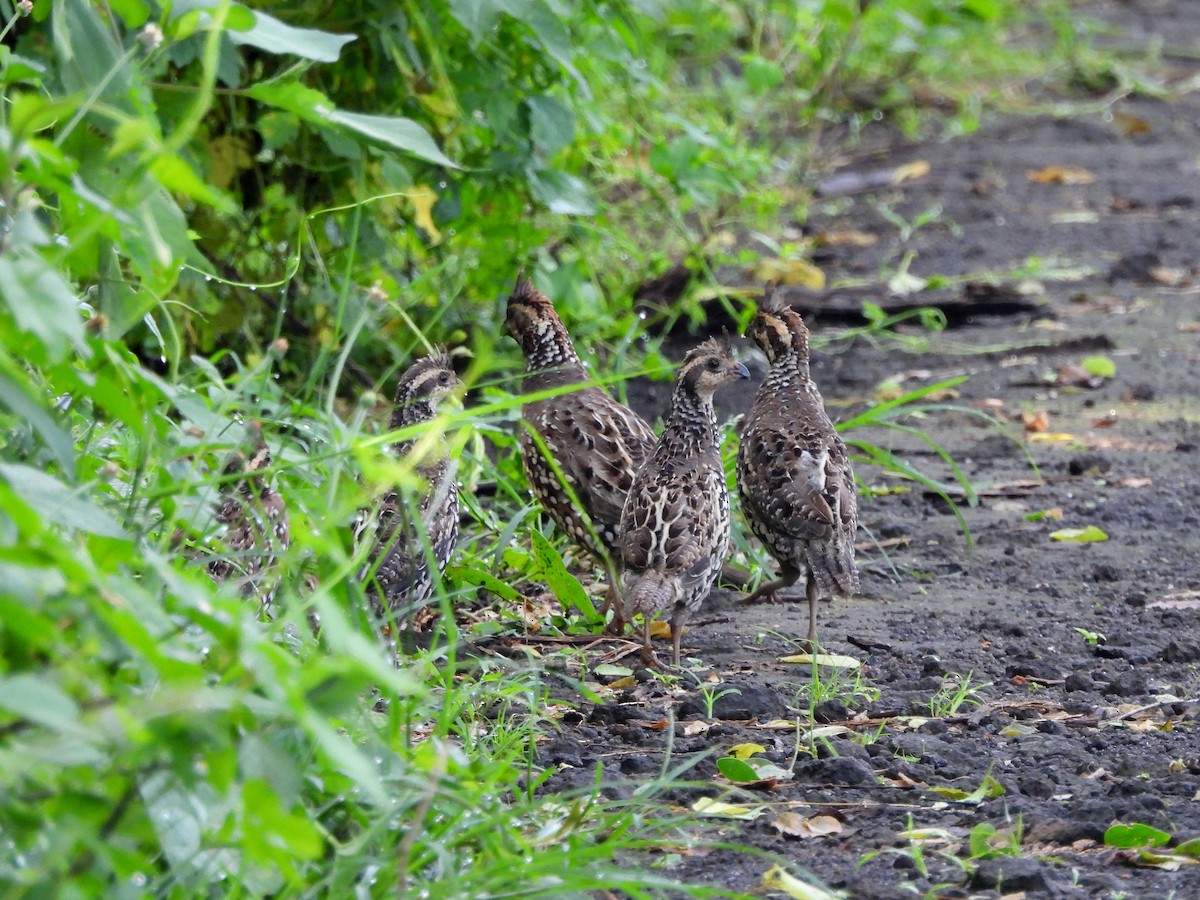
[741,371]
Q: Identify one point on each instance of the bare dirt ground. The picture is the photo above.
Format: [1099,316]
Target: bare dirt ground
[1087,655]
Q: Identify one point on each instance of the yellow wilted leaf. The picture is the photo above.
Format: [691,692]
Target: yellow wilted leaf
[745,751]
[911,171]
[660,629]
[1050,437]
[622,683]
[1060,175]
[779,879]
[1080,535]
[790,271]
[707,806]
[833,660]
[848,238]
[423,197]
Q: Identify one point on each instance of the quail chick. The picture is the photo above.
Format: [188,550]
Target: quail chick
[596,443]
[793,472]
[411,531]
[675,524]
[255,523]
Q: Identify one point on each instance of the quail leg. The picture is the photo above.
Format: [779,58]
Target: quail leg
[787,577]
[613,602]
[648,656]
[811,590]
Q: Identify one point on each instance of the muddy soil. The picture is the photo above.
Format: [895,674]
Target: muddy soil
[1084,658]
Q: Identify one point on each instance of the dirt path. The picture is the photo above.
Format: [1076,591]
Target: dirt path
[1086,655]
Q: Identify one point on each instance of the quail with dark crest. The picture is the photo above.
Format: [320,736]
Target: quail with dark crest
[793,472]
[414,531]
[596,443]
[675,523]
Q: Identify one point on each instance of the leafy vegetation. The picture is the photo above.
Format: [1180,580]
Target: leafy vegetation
[218,224]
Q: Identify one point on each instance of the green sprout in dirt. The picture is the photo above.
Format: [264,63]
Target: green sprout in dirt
[955,692]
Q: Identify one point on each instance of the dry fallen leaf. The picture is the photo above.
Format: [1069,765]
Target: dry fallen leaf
[918,168]
[696,726]
[1168,276]
[660,629]
[847,238]
[1075,375]
[1136,482]
[1036,421]
[1051,437]
[795,825]
[1130,125]
[1060,175]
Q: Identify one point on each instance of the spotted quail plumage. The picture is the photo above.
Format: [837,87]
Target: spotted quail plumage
[597,443]
[411,530]
[255,526]
[675,523]
[793,473]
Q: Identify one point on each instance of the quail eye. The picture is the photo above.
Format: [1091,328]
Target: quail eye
[714,364]
[443,378]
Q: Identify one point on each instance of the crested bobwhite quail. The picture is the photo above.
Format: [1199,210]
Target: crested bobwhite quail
[412,530]
[675,524]
[793,472]
[255,522]
[597,443]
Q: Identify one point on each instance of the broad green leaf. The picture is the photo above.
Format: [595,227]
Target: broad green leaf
[174,815]
[58,503]
[21,401]
[562,584]
[313,106]
[176,175]
[737,769]
[761,74]
[1188,848]
[403,134]
[40,700]
[1086,535]
[42,302]
[89,56]
[1135,835]
[551,125]
[561,193]
[274,36]
[480,578]
[134,13]
[1099,366]
[612,670]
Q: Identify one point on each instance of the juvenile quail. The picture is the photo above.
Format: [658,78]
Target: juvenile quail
[413,530]
[255,523]
[595,442]
[793,472]
[675,524]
